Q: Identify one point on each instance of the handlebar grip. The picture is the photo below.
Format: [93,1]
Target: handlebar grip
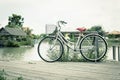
[63,22]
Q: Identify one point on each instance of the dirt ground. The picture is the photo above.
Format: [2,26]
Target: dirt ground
[39,70]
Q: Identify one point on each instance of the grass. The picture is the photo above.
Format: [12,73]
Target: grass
[5,76]
[71,56]
[20,78]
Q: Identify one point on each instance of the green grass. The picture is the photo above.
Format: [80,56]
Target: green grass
[5,76]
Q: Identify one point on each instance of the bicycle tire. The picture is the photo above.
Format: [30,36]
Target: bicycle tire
[93,47]
[49,52]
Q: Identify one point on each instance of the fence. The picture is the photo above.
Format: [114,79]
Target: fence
[116,50]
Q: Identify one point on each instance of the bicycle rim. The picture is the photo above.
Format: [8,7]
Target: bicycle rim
[93,47]
[50,49]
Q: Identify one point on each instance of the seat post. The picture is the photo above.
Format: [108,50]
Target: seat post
[81,34]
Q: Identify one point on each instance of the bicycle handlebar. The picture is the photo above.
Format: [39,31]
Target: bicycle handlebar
[61,22]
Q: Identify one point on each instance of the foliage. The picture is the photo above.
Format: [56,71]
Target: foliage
[113,36]
[98,29]
[26,41]
[15,21]
[27,30]
[69,55]
[20,78]
[2,75]
[35,36]
[42,35]
[18,42]
[10,43]
[66,57]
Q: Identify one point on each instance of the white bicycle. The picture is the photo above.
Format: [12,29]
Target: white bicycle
[93,47]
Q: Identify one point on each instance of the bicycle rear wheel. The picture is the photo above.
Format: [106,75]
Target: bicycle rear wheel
[50,49]
[93,47]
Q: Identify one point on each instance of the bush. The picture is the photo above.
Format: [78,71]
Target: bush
[12,44]
[28,41]
[69,55]
[2,75]
[20,78]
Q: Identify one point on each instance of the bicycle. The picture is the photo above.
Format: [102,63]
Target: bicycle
[92,47]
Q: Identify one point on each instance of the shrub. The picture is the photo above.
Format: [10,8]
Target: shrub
[12,44]
[2,75]
[20,78]
[69,55]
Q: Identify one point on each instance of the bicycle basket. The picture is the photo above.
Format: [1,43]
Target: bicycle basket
[50,28]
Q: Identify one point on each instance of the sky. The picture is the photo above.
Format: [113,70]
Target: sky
[77,13]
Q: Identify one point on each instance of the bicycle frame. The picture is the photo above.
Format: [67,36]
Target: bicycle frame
[68,43]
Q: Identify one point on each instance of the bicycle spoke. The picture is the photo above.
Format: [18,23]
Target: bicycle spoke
[50,49]
[93,47]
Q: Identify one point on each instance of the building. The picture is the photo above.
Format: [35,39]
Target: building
[114,34]
[14,34]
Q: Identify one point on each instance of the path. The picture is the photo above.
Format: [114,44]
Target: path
[36,70]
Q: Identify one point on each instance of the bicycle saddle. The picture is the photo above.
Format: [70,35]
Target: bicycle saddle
[81,29]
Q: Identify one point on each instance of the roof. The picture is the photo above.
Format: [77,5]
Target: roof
[115,32]
[12,31]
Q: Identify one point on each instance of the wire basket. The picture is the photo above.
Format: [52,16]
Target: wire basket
[50,28]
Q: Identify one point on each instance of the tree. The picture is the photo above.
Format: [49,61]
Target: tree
[15,21]
[27,30]
[98,29]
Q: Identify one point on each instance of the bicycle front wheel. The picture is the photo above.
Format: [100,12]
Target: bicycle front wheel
[93,47]
[50,49]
